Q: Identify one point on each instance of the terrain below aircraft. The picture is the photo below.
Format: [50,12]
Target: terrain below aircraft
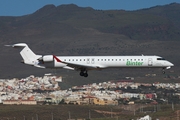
[86,63]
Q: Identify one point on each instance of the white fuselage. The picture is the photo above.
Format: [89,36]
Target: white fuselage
[114,61]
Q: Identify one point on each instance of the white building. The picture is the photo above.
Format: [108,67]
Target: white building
[147,117]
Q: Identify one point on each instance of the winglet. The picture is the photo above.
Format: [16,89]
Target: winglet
[58,60]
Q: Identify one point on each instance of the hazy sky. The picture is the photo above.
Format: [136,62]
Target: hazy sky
[23,7]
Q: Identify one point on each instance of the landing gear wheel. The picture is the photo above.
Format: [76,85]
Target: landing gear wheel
[83,73]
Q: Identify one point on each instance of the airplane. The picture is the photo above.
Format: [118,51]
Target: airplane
[86,63]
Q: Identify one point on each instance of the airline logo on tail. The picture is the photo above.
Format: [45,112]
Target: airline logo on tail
[58,60]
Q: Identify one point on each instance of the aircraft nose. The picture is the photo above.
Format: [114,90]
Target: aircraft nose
[170,64]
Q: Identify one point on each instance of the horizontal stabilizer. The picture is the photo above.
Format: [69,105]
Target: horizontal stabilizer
[17,45]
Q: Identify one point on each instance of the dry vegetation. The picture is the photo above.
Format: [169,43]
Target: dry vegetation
[63,112]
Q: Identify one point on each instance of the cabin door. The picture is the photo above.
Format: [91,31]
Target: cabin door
[150,62]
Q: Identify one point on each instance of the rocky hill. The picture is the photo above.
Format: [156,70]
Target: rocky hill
[73,30]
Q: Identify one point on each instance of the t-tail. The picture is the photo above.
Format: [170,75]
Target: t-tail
[29,57]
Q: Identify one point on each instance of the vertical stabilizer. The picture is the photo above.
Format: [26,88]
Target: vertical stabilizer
[29,57]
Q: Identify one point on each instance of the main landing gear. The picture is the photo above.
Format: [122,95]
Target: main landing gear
[84,73]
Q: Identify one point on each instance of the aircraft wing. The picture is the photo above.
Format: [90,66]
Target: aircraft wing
[78,66]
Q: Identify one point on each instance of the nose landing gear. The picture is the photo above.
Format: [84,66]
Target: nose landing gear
[163,71]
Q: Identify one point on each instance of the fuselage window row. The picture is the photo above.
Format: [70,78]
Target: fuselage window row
[104,59]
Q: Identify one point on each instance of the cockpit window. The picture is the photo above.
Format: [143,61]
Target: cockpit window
[161,59]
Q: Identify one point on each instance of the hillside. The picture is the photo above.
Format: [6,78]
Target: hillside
[73,30]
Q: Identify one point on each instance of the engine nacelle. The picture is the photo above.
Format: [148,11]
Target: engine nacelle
[48,58]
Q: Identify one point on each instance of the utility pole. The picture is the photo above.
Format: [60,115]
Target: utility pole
[89,114]
[111,112]
[36,116]
[52,116]
[69,114]
[141,108]
[172,106]
[177,114]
